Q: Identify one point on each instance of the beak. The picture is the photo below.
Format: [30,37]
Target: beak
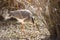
[33,20]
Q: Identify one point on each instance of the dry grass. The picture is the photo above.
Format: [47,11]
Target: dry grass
[12,30]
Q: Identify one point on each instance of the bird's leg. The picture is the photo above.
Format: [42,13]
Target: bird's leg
[22,23]
[22,27]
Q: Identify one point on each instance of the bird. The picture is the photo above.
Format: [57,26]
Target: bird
[22,16]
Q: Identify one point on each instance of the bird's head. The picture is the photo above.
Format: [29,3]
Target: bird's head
[7,16]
